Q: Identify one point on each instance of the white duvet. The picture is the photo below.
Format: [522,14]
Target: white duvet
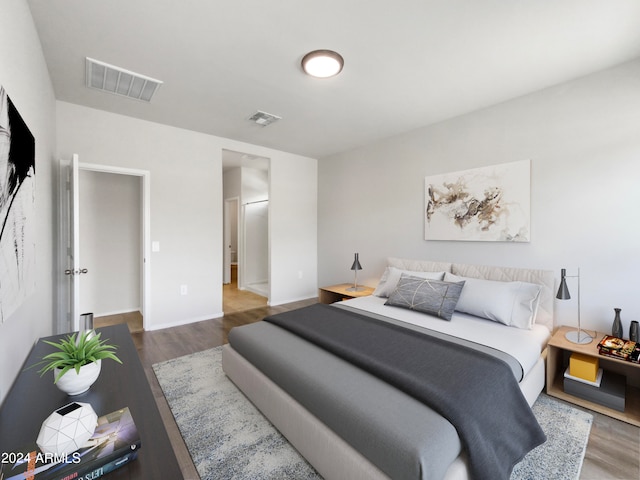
[523,345]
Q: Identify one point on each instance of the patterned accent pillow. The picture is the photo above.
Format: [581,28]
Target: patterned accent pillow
[424,295]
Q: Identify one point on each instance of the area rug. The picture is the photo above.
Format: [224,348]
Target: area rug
[228,438]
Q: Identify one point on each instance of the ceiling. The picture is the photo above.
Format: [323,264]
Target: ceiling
[408,63]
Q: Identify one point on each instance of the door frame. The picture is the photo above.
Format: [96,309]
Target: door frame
[64,322]
[231,203]
[145,248]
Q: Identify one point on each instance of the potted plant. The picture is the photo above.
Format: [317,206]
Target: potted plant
[77,361]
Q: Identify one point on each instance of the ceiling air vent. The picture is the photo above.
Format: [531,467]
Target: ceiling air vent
[108,78]
[264,118]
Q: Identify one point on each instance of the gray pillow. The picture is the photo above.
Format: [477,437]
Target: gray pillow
[434,297]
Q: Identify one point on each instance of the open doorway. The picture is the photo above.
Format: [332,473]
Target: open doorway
[246,231]
[111,236]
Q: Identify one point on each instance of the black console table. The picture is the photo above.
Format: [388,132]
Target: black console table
[32,399]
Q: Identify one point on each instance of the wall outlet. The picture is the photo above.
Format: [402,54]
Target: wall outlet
[184,290]
[299,273]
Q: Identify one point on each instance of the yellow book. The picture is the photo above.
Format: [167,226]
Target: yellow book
[583,366]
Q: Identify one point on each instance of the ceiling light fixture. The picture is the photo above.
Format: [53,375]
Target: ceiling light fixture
[322,63]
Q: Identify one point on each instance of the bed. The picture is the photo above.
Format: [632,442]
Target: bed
[352,422]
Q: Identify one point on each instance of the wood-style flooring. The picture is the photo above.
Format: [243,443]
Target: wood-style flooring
[132,319]
[613,451]
[236,300]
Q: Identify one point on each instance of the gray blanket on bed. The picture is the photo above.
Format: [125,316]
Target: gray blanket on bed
[474,391]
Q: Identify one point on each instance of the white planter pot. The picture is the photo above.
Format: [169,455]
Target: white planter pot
[73,383]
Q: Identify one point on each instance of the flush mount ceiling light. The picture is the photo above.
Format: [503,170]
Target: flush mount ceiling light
[112,79]
[322,63]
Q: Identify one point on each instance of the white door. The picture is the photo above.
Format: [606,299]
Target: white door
[70,243]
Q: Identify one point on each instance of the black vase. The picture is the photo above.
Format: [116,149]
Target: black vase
[616,329]
[633,331]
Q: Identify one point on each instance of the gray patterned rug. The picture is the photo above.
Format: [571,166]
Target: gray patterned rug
[228,438]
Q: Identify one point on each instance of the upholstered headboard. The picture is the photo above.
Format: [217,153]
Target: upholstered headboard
[545,278]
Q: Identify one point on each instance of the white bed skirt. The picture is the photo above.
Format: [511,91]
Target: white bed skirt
[331,456]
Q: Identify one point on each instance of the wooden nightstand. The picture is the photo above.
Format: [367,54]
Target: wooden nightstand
[558,351]
[338,293]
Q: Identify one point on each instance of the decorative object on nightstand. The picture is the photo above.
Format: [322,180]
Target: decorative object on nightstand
[584,367]
[616,328]
[355,267]
[633,331]
[574,336]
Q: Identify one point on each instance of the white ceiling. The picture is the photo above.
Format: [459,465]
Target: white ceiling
[408,63]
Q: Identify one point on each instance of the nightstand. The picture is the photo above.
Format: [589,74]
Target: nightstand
[338,293]
[558,351]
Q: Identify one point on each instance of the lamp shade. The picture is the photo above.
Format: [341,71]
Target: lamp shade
[356,263]
[563,290]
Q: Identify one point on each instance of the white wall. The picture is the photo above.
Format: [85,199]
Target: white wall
[186,203]
[187,207]
[293,226]
[583,139]
[24,75]
[110,230]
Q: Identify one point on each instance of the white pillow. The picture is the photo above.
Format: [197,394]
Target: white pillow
[513,303]
[391,277]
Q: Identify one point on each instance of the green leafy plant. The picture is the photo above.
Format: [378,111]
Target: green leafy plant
[73,352]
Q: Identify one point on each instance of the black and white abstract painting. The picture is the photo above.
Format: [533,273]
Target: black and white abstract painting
[17,209]
[481,204]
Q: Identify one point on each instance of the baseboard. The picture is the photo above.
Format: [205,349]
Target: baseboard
[184,322]
[291,300]
[117,312]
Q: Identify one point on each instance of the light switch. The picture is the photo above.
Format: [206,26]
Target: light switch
[155,246]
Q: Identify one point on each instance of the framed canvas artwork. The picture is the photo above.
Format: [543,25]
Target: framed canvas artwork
[17,209]
[481,204]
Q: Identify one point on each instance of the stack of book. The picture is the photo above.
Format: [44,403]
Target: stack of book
[114,443]
[584,379]
[614,347]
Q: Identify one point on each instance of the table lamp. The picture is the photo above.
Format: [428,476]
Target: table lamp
[355,267]
[574,336]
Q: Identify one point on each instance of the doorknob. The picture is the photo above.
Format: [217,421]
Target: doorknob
[73,272]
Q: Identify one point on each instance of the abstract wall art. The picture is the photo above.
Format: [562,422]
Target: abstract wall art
[17,209]
[482,204]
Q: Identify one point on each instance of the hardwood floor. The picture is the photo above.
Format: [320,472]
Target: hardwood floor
[236,300]
[613,451]
[132,319]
